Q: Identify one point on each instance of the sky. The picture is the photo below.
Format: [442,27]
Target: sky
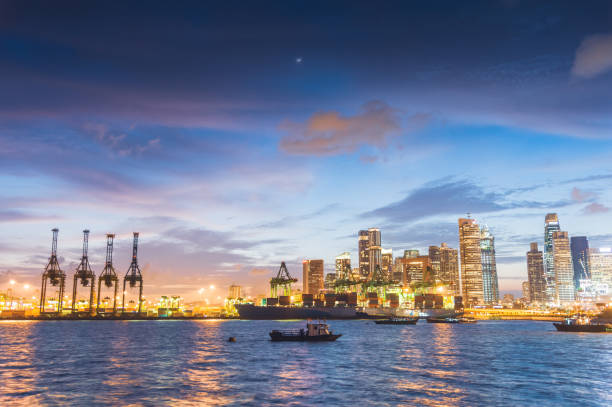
[235,136]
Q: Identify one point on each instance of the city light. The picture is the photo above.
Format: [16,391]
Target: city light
[12,282]
[212,287]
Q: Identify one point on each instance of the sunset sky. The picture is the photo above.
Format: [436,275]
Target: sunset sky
[235,136]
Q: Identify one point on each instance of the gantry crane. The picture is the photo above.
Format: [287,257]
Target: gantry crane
[282,282]
[55,275]
[85,274]
[108,275]
[133,275]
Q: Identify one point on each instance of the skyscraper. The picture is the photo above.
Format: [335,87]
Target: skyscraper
[410,254]
[445,266]
[364,254]
[387,262]
[418,270]
[434,259]
[343,263]
[312,277]
[580,259]
[564,272]
[374,250]
[600,264]
[526,293]
[535,274]
[551,225]
[490,285]
[449,269]
[471,266]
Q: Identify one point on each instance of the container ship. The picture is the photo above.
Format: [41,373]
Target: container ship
[344,306]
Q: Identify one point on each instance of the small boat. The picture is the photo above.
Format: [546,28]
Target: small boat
[581,324]
[397,321]
[443,320]
[314,332]
[467,320]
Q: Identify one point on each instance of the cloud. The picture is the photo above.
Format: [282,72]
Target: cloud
[330,133]
[595,208]
[437,198]
[259,271]
[594,56]
[20,216]
[579,195]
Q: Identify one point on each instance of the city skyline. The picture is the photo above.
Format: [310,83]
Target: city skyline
[246,137]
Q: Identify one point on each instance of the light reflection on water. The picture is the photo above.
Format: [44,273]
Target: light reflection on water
[191,363]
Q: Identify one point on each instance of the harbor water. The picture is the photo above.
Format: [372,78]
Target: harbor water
[492,363]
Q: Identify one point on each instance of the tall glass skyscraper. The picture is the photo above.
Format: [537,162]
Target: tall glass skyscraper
[580,259]
[490,285]
[471,266]
[551,225]
[564,272]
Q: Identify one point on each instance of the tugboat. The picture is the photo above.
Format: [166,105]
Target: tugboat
[314,332]
[581,324]
[397,321]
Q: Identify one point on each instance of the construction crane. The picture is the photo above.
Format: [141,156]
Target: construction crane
[282,282]
[54,274]
[133,275]
[85,274]
[108,275]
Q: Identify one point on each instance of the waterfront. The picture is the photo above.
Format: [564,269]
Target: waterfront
[191,362]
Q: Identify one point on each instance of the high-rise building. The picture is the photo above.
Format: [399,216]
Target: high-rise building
[330,279]
[399,270]
[600,265]
[343,263]
[434,259]
[418,270]
[234,292]
[535,274]
[312,277]
[551,225]
[411,254]
[580,259]
[471,262]
[387,262]
[564,272]
[364,253]
[490,285]
[445,266]
[374,250]
[526,293]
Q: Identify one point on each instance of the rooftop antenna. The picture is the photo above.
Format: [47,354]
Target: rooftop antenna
[108,275]
[55,275]
[133,275]
[85,274]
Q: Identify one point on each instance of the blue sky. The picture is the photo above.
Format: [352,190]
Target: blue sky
[234,137]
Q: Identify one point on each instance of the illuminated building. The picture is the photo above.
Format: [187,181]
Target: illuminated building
[445,266]
[526,294]
[490,285]
[374,250]
[600,265]
[410,254]
[343,263]
[434,259]
[471,262]
[399,270]
[364,254]
[312,277]
[330,279]
[387,261]
[418,270]
[564,272]
[580,259]
[535,275]
[551,225]
[235,291]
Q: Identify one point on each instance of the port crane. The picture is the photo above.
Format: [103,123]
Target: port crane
[85,275]
[54,275]
[133,275]
[108,275]
[281,284]
[346,282]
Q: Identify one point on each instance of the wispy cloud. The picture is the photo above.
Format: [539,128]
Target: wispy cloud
[595,208]
[594,56]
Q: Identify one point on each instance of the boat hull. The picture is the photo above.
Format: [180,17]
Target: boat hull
[390,322]
[250,311]
[278,337]
[582,328]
